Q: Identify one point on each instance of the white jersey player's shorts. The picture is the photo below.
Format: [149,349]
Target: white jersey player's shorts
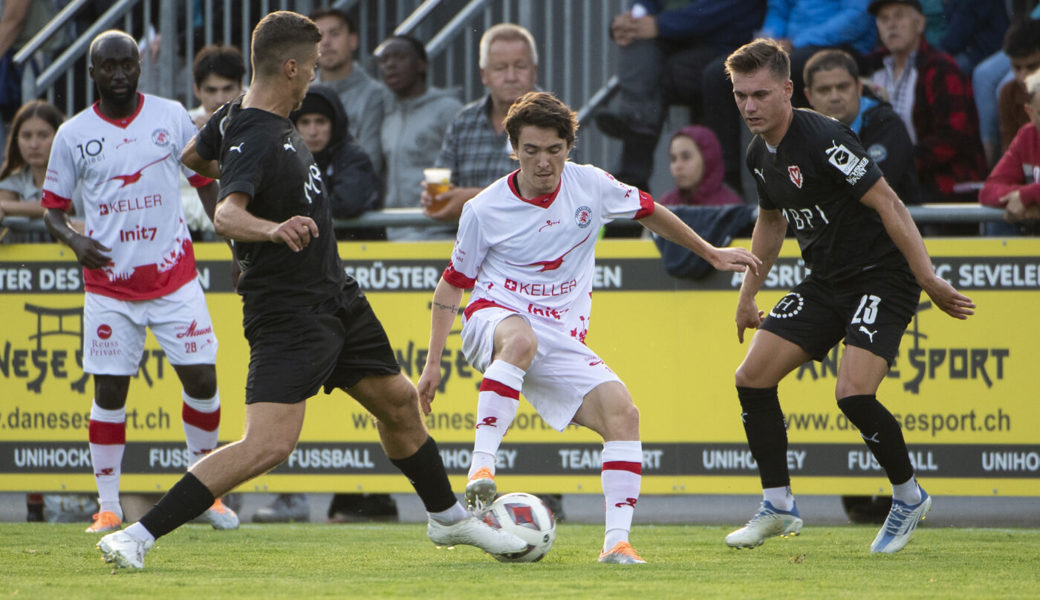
[114,330]
[563,371]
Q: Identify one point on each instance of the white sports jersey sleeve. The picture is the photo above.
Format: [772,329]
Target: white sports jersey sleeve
[470,248]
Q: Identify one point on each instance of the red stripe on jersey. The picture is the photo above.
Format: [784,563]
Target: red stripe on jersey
[623,465]
[123,122]
[646,205]
[204,421]
[198,181]
[146,282]
[476,305]
[497,387]
[457,279]
[105,433]
[52,200]
[543,201]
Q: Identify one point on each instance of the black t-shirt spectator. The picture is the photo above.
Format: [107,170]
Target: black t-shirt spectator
[262,155]
[816,177]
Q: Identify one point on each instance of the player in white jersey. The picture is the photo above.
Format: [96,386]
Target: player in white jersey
[137,257]
[526,247]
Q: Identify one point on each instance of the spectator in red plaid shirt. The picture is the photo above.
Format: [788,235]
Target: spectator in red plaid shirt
[934,99]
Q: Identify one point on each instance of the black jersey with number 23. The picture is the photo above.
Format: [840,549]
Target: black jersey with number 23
[816,177]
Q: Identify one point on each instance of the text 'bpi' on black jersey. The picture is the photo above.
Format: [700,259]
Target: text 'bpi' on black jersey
[816,177]
[263,156]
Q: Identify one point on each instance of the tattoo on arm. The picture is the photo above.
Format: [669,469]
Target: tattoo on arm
[449,307]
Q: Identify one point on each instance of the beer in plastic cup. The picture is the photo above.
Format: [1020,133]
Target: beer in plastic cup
[438,181]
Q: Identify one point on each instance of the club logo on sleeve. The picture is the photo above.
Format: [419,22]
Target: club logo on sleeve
[796,175]
[852,166]
[583,217]
[161,137]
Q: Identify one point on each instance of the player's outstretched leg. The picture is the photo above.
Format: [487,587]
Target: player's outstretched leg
[901,522]
[497,403]
[768,522]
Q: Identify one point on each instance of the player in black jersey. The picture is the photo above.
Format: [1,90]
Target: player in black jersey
[868,265]
[307,323]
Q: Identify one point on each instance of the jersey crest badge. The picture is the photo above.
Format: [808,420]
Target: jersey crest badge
[160,137]
[796,175]
[583,217]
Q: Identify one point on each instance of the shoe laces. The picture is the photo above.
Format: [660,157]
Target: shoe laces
[898,517]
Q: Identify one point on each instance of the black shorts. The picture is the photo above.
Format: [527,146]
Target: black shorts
[870,311]
[294,353]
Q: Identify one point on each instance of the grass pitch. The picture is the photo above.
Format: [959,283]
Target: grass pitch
[41,561]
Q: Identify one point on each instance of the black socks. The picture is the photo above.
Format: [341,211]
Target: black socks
[881,432]
[187,499]
[426,473]
[766,434]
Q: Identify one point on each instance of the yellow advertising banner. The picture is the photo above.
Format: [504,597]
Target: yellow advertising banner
[963,391]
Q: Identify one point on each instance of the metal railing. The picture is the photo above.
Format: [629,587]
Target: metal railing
[413,217]
[577,57]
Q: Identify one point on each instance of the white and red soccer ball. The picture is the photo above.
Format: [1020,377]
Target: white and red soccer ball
[527,517]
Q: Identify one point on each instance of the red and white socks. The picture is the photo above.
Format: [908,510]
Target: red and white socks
[497,402]
[201,418]
[622,475]
[107,435]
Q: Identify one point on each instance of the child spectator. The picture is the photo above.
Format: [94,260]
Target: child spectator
[25,167]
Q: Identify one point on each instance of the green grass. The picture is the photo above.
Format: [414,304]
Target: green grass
[396,560]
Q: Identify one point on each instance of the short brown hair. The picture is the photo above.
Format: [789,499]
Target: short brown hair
[279,36]
[541,109]
[758,54]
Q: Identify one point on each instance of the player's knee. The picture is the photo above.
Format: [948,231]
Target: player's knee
[202,383]
[110,392]
[400,407]
[519,349]
[743,378]
[623,422]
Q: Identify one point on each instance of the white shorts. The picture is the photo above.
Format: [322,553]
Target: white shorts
[563,371]
[114,330]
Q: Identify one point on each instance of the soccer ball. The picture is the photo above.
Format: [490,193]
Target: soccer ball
[526,517]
